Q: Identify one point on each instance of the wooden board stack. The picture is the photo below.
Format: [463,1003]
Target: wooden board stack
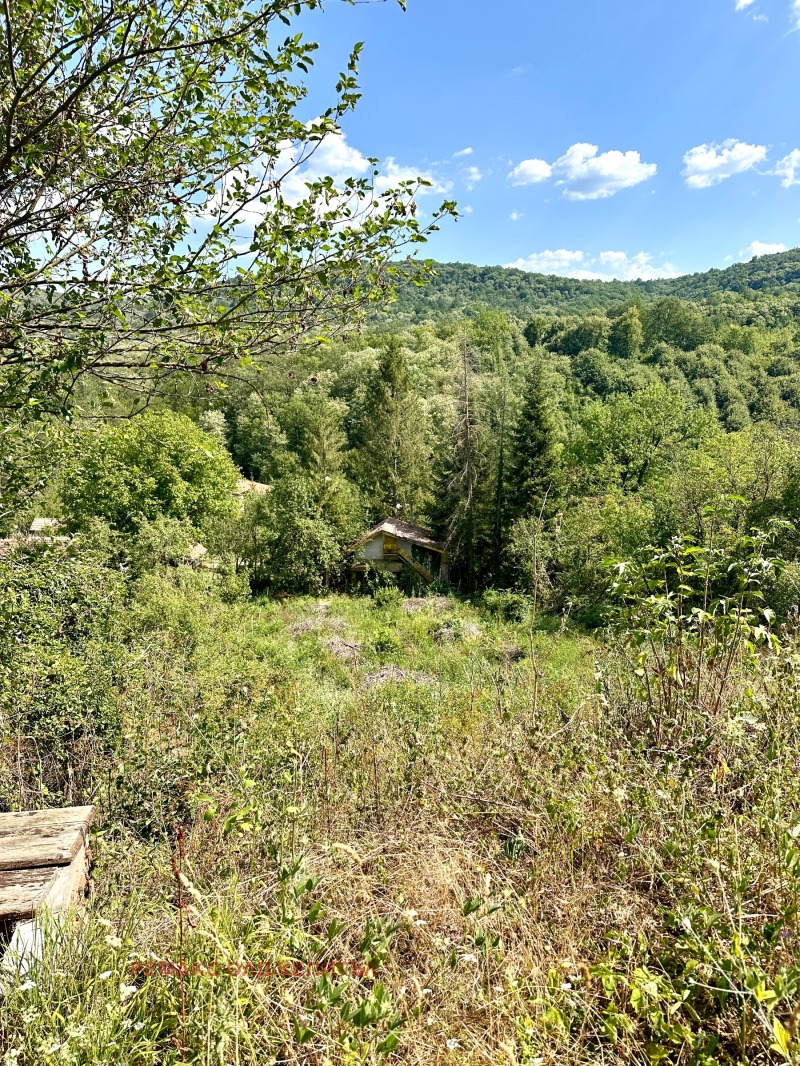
[44,865]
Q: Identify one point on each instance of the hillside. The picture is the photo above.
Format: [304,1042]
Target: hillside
[460,286]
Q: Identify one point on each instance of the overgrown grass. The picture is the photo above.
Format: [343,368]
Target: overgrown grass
[304,856]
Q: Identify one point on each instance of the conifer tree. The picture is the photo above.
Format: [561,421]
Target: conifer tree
[459,503]
[393,462]
[534,483]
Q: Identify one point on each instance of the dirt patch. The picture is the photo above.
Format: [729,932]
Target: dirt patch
[423,603]
[343,649]
[511,653]
[446,634]
[396,675]
[321,622]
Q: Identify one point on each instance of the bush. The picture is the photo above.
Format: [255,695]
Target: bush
[60,656]
[509,606]
[283,541]
[388,596]
[386,641]
[158,465]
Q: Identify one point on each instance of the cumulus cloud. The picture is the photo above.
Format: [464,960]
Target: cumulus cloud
[796,13]
[757,248]
[515,216]
[709,164]
[392,173]
[288,174]
[530,172]
[463,152]
[741,5]
[607,266]
[586,173]
[339,160]
[788,169]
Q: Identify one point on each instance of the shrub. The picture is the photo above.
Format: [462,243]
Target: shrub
[509,606]
[388,596]
[60,655]
[157,465]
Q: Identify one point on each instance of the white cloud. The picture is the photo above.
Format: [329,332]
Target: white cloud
[796,13]
[472,177]
[709,164]
[560,262]
[585,173]
[756,248]
[463,152]
[339,160]
[741,5]
[466,210]
[334,157]
[788,169]
[530,171]
[589,176]
[288,174]
[392,173]
[607,266]
[515,216]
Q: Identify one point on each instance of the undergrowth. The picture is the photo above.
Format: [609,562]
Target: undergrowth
[424,831]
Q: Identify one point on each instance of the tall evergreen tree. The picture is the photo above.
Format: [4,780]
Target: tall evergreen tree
[534,482]
[458,505]
[393,463]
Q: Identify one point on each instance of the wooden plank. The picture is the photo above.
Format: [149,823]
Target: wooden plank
[69,885]
[43,838]
[23,891]
[408,558]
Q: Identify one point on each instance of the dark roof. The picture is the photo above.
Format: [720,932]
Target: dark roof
[404,531]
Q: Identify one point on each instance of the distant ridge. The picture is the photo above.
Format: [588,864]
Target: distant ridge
[459,287]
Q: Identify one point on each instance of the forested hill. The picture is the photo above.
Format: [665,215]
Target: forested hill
[460,286]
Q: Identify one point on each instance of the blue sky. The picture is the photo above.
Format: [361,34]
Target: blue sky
[588,139]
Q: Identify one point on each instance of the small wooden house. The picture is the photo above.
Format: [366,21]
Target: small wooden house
[246,487]
[44,525]
[394,545]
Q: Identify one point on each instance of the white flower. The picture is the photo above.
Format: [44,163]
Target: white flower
[104,976]
[470,958]
[113,941]
[453,1045]
[126,991]
[27,985]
